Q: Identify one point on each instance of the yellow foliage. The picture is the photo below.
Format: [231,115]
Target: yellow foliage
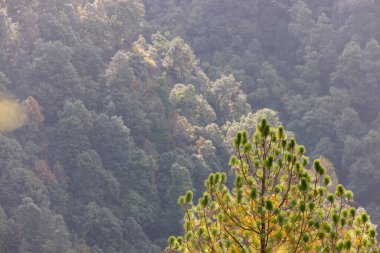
[150,61]
[281,250]
[13,115]
[147,56]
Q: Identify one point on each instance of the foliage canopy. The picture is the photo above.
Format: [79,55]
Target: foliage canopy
[275,205]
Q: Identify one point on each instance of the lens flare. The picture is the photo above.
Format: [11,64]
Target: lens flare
[13,115]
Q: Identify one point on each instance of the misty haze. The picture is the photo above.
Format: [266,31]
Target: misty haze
[189,126]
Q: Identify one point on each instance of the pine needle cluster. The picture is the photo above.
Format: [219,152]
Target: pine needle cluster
[279,203]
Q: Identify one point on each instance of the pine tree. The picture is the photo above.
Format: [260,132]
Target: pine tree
[275,205]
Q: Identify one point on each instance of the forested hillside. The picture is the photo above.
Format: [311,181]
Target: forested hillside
[314,62]
[112,109]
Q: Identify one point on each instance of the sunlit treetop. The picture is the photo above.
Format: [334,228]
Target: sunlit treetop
[278,204]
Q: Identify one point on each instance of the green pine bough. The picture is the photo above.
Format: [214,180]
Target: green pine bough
[276,204]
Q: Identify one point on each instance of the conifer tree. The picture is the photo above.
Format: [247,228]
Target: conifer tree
[276,204]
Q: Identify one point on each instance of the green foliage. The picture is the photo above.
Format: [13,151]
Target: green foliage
[194,107]
[269,87]
[135,117]
[101,227]
[42,231]
[16,183]
[53,76]
[289,58]
[180,181]
[104,22]
[356,72]
[90,182]
[276,204]
[11,153]
[228,101]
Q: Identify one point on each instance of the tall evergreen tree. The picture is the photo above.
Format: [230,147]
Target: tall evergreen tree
[276,204]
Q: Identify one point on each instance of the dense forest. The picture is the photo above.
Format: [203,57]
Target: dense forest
[112,109]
